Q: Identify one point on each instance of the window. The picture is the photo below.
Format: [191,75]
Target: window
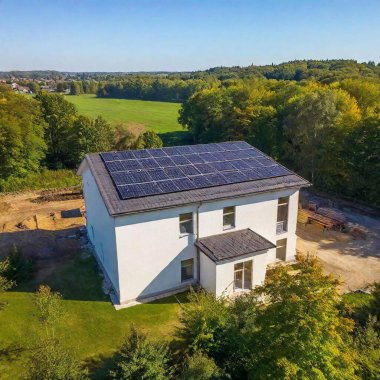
[282,215]
[187,269]
[281,249]
[243,276]
[186,223]
[229,217]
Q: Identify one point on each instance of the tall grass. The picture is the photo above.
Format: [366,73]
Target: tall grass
[45,179]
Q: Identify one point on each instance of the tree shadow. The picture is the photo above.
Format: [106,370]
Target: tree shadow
[11,352]
[176,138]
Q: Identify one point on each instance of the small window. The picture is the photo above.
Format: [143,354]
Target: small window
[186,223]
[187,269]
[281,249]
[229,217]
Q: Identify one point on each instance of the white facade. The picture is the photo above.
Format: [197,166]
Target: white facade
[141,253]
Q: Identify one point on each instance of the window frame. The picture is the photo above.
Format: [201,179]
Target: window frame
[282,225]
[183,222]
[228,213]
[281,243]
[185,264]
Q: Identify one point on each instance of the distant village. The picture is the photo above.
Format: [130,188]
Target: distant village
[32,86]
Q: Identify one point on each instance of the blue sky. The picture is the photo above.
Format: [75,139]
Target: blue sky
[115,35]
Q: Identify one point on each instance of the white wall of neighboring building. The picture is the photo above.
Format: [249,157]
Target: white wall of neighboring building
[100,228]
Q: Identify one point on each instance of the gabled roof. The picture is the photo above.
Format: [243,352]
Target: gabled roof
[116,173]
[232,245]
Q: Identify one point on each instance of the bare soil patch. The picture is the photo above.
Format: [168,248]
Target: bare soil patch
[41,228]
[353,258]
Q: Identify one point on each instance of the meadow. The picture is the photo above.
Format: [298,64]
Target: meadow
[160,117]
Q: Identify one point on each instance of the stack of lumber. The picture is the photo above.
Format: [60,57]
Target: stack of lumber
[326,217]
[332,214]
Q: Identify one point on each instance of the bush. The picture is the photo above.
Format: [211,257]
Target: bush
[21,268]
[139,358]
[46,179]
[5,282]
[51,361]
[200,367]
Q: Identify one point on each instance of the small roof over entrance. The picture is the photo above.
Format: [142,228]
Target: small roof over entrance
[232,245]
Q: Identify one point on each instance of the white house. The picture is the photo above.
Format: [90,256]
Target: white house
[161,220]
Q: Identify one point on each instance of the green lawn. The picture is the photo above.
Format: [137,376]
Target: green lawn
[91,327]
[161,117]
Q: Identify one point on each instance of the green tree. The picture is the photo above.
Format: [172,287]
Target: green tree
[34,87]
[315,124]
[90,136]
[300,333]
[51,361]
[59,115]
[5,282]
[200,367]
[76,88]
[22,145]
[367,344]
[139,358]
[148,140]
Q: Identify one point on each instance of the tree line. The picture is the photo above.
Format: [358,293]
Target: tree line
[328,133]
[48,132]
[294,326]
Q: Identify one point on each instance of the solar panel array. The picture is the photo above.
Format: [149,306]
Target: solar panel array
[146,172]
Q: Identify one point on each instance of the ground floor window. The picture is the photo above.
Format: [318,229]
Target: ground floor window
[187,269]
[243,276]
[281,249]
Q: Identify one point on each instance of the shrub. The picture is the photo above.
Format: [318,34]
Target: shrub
[139,358]
[200,367]
[51,361]
[45,179]
[20,268]
[48,304]
[5,282]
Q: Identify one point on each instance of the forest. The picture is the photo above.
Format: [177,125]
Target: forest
[319,118]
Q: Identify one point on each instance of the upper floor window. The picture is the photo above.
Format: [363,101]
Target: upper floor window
[186,223]
[282,215]
[229,217]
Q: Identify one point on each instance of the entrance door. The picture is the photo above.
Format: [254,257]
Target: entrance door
[243,276]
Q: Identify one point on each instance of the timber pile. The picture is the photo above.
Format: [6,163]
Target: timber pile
[328,218]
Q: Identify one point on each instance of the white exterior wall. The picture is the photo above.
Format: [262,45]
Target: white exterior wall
[208,273]
[100,228]
[225,273]
[150,247]
[150,250]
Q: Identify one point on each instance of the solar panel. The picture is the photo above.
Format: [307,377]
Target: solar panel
[167,170]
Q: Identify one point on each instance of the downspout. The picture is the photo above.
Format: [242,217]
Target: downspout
[198,254]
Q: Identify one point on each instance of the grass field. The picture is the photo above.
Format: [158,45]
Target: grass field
[90,327]
[161,117]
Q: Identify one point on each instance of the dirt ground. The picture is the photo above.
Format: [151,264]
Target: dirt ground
[42,229]
[356,262]
[51,230]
